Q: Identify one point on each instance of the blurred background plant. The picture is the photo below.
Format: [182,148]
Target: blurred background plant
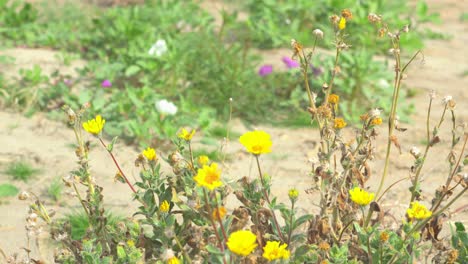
[173,50]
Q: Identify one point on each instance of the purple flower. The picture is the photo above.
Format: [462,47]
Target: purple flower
[290,63]
[67,82]
[106,84]
[265,70]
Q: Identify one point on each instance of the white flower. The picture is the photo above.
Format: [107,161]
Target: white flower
[447,99]
[415,152]
[166,107]
[318,33]
[383,83]
[375,113]
[158,48]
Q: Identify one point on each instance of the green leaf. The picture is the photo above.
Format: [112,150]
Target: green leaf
[132,70]
[121,252]
[8,190]
[110,147]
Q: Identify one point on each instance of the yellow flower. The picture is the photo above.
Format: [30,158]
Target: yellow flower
[219,213]
[272,250]
[384,236]
[376,121]
[342,23]
[293,194]
[360,196]
[173,260]
[339,123]
[256,142]
[418,211]
[185,135]
[333,99]
[324,246]
[203,160]
[209,176]
[130,243]
[94,126]
[150,153]
[242,242]
[164,207]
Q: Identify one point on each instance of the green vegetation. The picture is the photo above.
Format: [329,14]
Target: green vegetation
[21,171]
[8,190]
[54,191]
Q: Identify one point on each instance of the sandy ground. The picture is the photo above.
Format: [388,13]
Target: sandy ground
[46,144]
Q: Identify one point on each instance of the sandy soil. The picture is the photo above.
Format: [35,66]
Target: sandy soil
[46,144]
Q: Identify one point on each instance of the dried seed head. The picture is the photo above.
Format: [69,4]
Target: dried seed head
[432,94]
[23,195]
[384,236]
[324,246]
[168,254]
[373,18]
[346,14]
[405,29]
[375,113]
[334,19]
[318,33]
[415,152]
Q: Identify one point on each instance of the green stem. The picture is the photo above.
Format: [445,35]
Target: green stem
[267,198]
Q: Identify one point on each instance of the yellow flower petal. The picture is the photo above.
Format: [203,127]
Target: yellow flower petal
[94,126]
[361,197]
[256,142]
[242,242]
[209,176]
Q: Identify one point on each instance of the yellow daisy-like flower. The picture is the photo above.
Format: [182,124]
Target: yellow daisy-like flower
[418,211]
[333,99]
[164,207]
[203,160]
[342,23]
[256,142]
[150,153]
[173,260]
[376,121]
[272,251]
[361,197]
[219,213]
[293,194]
[242,242]
[185,135]
[339,123]
[209,176]
[94,126]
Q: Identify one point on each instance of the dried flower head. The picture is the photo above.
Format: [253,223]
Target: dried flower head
[297,48]
[346,14]
[432,94]
[242,242]
[333,99]
[209,176]
[334,19]
[360,196]
[94,126]
[273,250]
[339,123]
[418,211]
[318,33]
[256,142]
[324,246]
[384,236]
[415,152]
[373,18]
[376,121]
[23,196]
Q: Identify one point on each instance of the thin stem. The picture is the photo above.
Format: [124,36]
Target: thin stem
[191,154]
[81,199]
[186,255]
[290,223]
[218,217]
[265,195]
[118,166]
[209,211]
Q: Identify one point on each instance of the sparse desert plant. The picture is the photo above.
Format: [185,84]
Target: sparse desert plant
[55,189]
[21,170]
